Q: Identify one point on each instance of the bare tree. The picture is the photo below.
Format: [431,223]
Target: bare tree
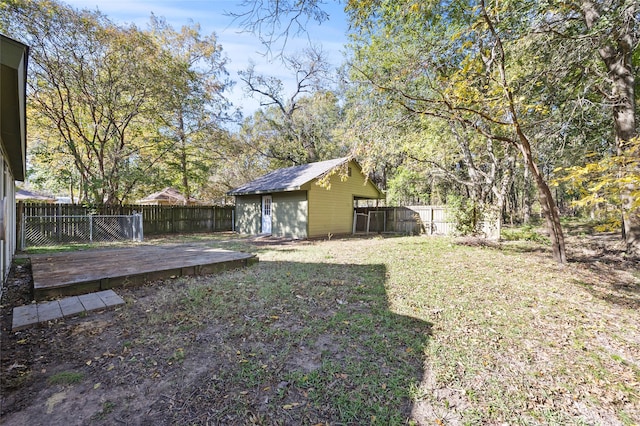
[275,21]
[311,72]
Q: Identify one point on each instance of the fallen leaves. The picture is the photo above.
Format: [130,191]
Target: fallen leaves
[292,405]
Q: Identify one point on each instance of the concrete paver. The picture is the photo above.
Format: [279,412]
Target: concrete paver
[24,316]
[71,306]
[110,298]
[49,311]
[91,302]
[30,315]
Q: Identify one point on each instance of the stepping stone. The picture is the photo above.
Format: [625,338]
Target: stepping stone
[29,315]
[110,298]
[91,302]
[24,317]
[49,311]
[71,306]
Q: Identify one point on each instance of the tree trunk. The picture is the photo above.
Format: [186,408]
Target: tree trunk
[184,169]
[548,205]
[617,57]
[501,194]
[551,215]
[526,199]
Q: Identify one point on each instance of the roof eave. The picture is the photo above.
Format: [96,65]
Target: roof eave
[265,191]
[14,59]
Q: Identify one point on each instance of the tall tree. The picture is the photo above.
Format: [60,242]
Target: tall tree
[275,21]
[91,82]
[598,42]
[615,25]
[295,127]
[194,107]
[455,63]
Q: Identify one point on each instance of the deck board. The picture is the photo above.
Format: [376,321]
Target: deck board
[79,272]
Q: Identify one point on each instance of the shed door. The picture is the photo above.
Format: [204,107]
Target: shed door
[266,214]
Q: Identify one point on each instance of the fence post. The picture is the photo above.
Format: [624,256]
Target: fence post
[138,232]
[355,219]
[393,220]
[59,222]
[90,228]
[19,218]
[22,232]
[431,222]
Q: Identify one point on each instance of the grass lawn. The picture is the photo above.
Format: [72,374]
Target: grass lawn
[407,330]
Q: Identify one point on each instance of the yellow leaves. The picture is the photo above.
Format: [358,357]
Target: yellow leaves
[456,35]
[291,406]
[603,180]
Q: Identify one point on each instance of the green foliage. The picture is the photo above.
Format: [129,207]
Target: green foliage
[408,187]
[304,133]
[466,215]
[194,108]
[66,378]
[523,233]
[110,107]
[463,76]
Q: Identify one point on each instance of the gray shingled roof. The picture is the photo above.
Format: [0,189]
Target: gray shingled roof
[23,194]
[288,179]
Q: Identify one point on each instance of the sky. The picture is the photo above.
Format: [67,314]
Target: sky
[241,48]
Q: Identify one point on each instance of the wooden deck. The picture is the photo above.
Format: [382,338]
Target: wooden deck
[80,272]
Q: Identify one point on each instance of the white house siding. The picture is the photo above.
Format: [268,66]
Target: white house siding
[8,196]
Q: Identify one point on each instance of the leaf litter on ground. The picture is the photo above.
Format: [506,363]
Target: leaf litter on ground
[398,330]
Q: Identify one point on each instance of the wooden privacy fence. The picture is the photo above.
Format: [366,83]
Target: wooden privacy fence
[157,220]
[411,220]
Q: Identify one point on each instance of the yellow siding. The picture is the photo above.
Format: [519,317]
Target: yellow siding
[331,210]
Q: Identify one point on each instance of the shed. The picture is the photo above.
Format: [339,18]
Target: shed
[310,200]
[167,197]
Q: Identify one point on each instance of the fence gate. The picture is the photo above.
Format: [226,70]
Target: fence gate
[54,230]
[411,220]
